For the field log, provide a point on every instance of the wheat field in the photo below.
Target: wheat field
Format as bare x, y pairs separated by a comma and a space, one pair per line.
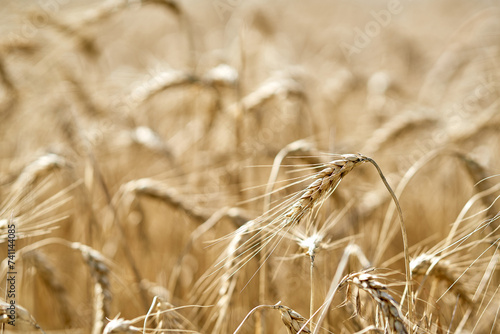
223, 166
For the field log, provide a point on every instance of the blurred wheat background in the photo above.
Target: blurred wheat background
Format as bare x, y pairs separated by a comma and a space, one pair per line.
175, 166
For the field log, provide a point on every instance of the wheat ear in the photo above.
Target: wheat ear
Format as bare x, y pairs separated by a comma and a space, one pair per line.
378, 291
436, 266
102, 287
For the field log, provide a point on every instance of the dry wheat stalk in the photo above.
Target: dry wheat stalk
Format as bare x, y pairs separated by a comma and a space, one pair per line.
436, 266
378, 291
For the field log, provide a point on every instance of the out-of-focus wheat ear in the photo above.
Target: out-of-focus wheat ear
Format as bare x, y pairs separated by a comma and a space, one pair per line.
435, 266
483, 182
21, 315
157, 190
378, 291
221, 80
102, 287
395, 127
275, 87
486, 119
48, 274
161, 82
11, 94
37, 170
221, 76
149, 139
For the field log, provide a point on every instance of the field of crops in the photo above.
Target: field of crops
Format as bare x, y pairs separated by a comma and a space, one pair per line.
224, 166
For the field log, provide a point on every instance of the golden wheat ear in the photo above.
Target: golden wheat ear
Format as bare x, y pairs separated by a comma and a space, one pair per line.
390, 309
